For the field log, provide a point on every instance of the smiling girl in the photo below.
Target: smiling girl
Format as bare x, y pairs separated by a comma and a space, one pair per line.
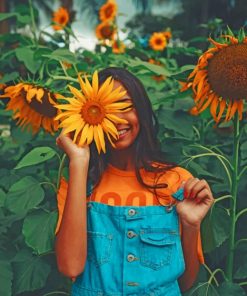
129, 235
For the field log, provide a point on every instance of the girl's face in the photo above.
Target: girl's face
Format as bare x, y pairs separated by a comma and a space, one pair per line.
129, 131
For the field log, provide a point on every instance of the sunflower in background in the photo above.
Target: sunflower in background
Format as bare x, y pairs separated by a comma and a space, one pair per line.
60, 18
219, 80
118, 47
105, 30
157, 78
167, 34
90, 112
108, 11
158, 41
32, 106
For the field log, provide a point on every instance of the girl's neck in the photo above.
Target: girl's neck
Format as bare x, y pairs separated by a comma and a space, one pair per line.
122, 159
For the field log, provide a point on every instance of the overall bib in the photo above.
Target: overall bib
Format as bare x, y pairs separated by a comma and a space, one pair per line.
132, 250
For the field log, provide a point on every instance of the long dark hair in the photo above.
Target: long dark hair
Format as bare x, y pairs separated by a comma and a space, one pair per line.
148, 154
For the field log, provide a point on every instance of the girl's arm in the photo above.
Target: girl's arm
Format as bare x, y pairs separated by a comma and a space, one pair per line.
71, 240
189, 244
192, 210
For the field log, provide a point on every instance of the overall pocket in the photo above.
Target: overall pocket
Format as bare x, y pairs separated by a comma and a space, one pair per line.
157, 245
99, 247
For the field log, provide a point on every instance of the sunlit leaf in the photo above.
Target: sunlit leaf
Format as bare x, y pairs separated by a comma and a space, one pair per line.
36, 156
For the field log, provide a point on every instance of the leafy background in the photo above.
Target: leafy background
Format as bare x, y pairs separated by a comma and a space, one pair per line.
31, 165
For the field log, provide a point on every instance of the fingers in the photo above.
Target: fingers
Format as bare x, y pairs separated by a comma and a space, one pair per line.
198, 189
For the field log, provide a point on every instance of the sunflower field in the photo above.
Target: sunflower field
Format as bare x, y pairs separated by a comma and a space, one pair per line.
198, 89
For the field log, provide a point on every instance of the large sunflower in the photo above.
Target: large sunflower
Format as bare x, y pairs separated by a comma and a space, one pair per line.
60, 18
32, 105
158, 41
105, 30
108, 11
90, 112
219, 80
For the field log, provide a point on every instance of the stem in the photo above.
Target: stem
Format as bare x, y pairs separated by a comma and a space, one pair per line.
242, 172
243, 284
49, 183
233, 201
240, 213
33, 27
220, 158
222, 198
60, 170
240, 241
65, 78
213, 273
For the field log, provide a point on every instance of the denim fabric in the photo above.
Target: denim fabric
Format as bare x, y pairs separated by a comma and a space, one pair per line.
133, 251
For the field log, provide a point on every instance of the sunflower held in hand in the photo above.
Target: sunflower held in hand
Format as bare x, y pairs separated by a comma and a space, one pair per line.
90, 112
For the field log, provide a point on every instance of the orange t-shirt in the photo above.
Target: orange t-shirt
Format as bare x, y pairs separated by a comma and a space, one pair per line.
121, 188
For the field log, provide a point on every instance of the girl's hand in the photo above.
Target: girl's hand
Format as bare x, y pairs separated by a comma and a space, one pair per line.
73, 151
197, 202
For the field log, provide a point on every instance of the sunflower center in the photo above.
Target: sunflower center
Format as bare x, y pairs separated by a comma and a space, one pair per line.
93, 112
107, 31
227, 72
109, 11
45, 107
158, 41
62, 20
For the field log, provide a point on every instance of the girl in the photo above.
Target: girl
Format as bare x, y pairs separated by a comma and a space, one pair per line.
130, 236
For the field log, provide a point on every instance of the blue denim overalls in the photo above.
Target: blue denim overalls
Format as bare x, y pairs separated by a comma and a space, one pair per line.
133, 251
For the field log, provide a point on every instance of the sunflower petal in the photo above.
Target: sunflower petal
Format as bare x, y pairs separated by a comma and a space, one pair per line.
109, 127
40, 94
96, 138
233, 109
84, 135
95, 84
101, 137
116, 119
222, 109
228, 110
213, 107
90, 135
77, 93
30, 94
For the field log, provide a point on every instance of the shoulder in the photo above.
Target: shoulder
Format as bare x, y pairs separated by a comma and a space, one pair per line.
182, 172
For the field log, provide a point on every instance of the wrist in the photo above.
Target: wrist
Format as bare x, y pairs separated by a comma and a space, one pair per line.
78, 161
190, 227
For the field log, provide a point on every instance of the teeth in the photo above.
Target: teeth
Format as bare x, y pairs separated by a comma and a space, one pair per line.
122, 132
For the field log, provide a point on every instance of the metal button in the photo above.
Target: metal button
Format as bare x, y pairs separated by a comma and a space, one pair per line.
131, 212
130, 257
130, 234
132, 284
169, 209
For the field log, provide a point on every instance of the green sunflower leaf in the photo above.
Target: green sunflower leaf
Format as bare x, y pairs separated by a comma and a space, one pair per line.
31, 272
215, 228
24, 195
38, 230
230, 289
6, 276
36, 156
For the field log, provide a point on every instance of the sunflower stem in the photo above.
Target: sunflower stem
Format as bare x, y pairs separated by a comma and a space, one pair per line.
65, 78
33, 26
233, 201
60, 170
